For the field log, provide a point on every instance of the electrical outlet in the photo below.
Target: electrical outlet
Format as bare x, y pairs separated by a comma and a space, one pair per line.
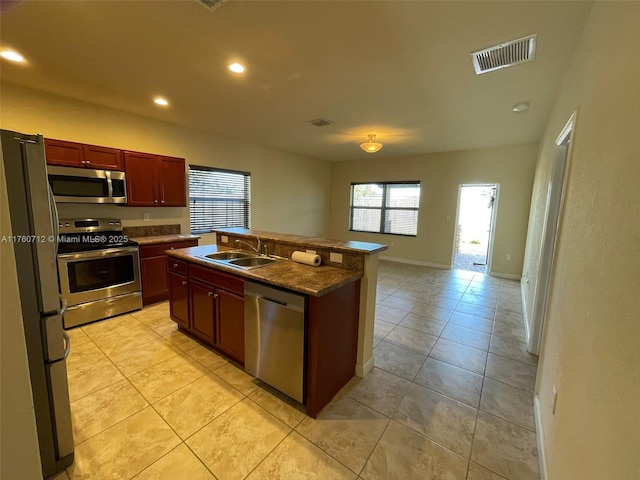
335, 257
145, 217
312, 252
508, 257
554, 399
224, 239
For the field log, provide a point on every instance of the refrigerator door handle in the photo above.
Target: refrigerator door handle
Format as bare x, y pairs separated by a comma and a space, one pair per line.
55, 220
63, 307
67, 344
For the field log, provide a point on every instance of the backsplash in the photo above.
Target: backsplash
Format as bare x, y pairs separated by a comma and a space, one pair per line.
151, 230
350, 261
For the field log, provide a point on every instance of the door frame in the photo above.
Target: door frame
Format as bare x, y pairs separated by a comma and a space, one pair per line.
492, 224
553, 215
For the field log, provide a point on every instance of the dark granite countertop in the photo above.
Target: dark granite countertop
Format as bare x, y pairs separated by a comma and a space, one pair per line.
360, 247
155, 239
291, 275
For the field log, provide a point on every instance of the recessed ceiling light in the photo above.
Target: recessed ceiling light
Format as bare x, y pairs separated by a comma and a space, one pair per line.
12, 56
521, 107
161, 101
236, 68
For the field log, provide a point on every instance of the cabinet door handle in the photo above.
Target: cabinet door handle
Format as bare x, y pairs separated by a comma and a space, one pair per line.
156, 201
209, 293
175, 265
162, 201
184, 282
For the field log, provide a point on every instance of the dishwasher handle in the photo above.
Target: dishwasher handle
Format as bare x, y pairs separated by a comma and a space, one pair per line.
279, 302
286, 299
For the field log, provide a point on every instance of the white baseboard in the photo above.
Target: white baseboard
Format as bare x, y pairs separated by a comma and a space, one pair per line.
415, 262
542, 459
507, 276
362, 370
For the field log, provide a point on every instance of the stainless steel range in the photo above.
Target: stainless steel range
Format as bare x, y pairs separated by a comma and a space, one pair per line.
98, 269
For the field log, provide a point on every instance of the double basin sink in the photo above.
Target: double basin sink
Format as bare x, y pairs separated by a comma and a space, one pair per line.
241, 259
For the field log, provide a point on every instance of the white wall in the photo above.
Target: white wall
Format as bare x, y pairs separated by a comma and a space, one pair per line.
591, 338
441, 174
289, 192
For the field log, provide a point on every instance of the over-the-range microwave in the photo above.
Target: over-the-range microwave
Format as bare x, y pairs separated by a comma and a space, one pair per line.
86, 185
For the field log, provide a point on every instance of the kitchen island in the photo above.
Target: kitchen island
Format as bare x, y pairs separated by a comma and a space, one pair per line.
207, 302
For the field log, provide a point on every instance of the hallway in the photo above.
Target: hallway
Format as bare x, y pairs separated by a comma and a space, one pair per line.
451, 365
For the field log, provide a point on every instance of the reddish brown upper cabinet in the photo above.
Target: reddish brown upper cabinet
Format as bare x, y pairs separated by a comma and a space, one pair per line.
71, 154
154, 180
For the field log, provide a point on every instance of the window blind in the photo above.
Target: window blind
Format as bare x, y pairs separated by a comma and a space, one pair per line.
385, 207
218, 198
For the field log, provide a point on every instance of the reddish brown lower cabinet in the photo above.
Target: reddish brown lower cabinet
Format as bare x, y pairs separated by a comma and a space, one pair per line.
215, 313
179, 299
153, 269
230, 324
202, 300
216, 317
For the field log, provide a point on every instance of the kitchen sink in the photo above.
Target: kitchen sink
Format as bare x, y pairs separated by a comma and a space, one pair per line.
242, 260
253, 262
229, 255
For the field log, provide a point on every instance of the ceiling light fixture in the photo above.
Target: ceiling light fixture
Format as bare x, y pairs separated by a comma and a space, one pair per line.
521, 107
371, 146
12, 56
161, 101
236, 68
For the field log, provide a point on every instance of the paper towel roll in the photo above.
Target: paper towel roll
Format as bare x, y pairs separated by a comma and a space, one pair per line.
306, 258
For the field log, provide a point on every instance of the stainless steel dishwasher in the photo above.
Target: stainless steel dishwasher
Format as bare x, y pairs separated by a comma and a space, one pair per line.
274, 338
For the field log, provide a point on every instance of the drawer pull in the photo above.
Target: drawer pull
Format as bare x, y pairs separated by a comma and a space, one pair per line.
175, 265
184, 282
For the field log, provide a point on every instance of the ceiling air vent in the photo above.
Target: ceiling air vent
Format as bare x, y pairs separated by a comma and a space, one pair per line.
505, 55
211, 4
320, 122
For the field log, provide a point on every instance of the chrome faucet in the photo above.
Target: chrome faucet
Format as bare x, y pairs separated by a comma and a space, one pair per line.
257, 250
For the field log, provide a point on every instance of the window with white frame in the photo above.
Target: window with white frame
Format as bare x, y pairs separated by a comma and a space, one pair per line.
385, 207
218, 198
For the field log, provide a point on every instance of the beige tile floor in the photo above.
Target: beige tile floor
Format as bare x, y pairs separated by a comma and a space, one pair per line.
450, 396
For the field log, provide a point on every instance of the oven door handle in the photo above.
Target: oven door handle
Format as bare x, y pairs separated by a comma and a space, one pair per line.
109, 252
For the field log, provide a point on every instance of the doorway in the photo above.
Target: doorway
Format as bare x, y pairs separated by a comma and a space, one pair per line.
553, 211
475, 222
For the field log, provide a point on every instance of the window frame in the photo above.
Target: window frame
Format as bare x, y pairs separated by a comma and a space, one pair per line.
246, 201
383, 208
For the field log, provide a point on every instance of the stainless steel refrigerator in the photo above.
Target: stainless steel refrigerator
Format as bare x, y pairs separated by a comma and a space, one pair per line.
34, 227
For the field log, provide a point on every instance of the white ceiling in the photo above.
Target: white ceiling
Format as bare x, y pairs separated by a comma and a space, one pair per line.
400, 69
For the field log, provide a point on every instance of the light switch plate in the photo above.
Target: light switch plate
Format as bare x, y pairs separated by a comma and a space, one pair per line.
224, 239
145, 217
335, 257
